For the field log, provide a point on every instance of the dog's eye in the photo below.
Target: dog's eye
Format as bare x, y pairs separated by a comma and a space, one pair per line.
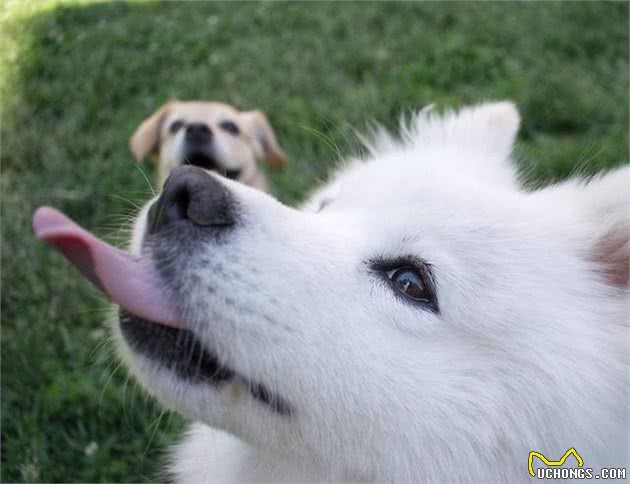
176, 126
232, 174
410, 278
230, 127
410, 282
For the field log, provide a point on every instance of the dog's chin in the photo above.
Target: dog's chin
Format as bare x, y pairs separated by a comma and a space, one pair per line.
179, 352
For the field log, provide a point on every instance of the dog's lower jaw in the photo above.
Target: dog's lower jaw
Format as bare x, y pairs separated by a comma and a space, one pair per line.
180, 353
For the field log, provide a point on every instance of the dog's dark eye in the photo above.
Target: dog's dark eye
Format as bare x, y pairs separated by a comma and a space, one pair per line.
230, 127
409, 282
176, 126
232, 174
411, 279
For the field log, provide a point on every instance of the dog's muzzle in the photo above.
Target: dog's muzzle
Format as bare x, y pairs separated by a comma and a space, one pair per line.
198, 149
193, 205
191, 195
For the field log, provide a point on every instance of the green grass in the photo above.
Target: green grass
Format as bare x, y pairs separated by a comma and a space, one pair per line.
77, 78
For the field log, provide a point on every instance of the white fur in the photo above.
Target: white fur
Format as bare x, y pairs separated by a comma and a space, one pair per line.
529, 351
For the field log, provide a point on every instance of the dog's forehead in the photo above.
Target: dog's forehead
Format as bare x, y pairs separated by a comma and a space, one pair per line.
209, 112
402, 182
401, 197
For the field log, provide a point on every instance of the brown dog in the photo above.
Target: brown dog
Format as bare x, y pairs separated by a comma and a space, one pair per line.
214, 136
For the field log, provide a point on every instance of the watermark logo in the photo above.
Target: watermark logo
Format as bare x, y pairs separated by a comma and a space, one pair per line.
553, 469
553, 463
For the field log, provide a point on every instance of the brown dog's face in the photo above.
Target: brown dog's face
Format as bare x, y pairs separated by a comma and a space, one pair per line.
214, 136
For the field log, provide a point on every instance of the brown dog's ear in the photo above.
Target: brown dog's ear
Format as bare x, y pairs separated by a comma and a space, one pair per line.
146, 139
257, 126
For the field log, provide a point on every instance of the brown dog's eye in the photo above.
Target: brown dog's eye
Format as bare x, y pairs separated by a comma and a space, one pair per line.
230, 127
176, 126
232, 174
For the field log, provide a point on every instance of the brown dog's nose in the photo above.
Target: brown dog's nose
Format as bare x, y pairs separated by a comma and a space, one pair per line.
198, 133
191, 194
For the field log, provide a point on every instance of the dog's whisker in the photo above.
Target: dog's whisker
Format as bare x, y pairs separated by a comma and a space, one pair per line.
119, 234
130, 202
323, 137
102, 346
122, 223
355, 146
107, 383
146, 179
155, 424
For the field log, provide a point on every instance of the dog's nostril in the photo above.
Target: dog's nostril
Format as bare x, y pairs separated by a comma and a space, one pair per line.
191, 194
179, 203
198, 132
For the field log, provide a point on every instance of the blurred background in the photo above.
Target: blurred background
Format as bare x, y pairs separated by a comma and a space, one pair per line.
78, 77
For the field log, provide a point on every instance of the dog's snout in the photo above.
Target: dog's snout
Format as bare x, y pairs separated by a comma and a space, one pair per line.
198, 133
191, 194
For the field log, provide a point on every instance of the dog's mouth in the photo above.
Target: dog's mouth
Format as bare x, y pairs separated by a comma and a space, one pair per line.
207, 161
200, 158
149, 321
179, 351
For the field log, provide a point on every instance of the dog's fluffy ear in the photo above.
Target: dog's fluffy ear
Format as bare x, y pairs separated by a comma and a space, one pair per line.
495, 125
607, 201
146, 139
485, 131
266, 146
488, 128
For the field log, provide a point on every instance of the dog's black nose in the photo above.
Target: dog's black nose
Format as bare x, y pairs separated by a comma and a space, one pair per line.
191, 194
198, 133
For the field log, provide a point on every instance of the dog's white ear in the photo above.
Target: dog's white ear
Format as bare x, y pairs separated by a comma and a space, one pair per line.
146, 138
492, 125
607, 201
486, 129
266, 146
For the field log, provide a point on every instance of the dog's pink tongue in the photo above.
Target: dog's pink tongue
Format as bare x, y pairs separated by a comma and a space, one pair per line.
129, 281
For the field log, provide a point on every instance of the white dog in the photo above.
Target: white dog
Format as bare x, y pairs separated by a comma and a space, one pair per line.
421, 319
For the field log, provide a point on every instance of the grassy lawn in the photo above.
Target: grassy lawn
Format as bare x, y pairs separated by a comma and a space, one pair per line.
78, 77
